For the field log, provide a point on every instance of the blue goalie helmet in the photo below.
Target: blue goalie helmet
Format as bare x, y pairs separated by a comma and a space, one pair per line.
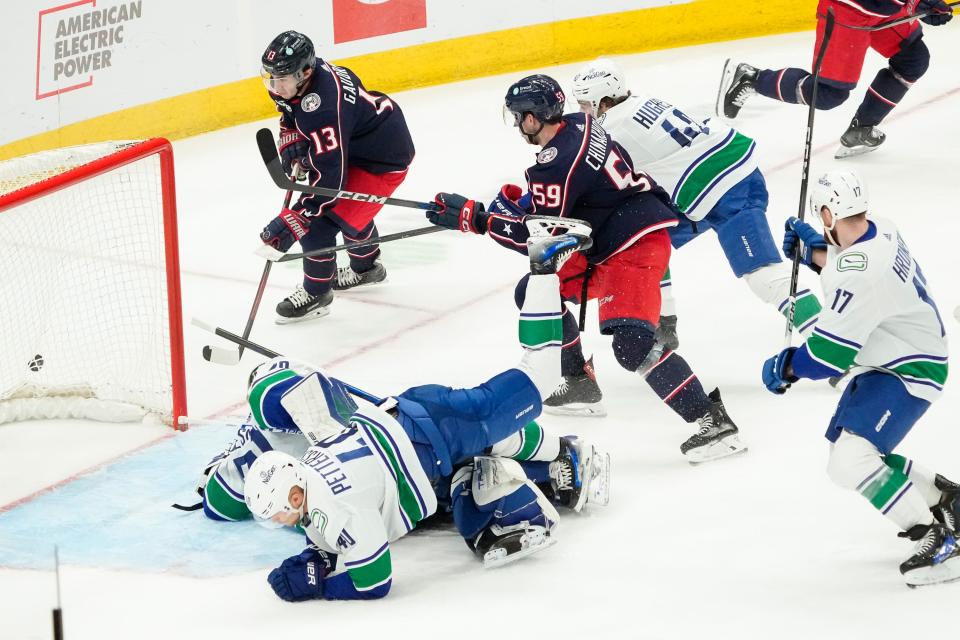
539, 95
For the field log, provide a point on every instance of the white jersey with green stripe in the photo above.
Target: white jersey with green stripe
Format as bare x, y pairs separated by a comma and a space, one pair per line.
365, 489
695, 161
879, 314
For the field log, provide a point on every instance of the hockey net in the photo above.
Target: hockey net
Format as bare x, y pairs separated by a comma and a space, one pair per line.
90, 322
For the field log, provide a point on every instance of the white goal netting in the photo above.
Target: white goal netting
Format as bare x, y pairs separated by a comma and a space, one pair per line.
85, 314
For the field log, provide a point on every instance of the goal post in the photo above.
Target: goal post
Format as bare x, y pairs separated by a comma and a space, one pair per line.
90, 310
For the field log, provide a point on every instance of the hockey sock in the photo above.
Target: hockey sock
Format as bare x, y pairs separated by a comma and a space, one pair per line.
785, 85
362, 259
530, 443
922, 478
806, 310
541, 332
571, 356
318, 273
679, 388
668, 305
883, 94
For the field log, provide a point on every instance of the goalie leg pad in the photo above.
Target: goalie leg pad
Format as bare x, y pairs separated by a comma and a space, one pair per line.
319, 406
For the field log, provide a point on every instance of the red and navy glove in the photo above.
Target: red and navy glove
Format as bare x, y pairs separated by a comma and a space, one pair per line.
511, 201
294, 153
777, 374
942, 14
300, 577
285, 229
458, 212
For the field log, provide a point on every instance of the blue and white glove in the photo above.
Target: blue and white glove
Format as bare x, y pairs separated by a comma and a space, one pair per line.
777, 376
300, 577
798, 233
511, 201
942, 14
459, 213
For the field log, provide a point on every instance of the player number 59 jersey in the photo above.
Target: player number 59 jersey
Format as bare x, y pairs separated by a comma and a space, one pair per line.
878, 313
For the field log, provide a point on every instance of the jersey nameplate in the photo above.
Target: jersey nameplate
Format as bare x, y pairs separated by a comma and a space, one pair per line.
855, 261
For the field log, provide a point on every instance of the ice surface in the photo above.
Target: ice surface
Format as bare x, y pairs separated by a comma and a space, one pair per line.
761, 545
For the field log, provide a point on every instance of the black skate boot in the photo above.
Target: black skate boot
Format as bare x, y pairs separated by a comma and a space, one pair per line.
347, 278
547, 255
948, 511
737, 83
717, 436
859, 139
580, 474
300, 305
667, 333
498, 545
936, 558
577, 395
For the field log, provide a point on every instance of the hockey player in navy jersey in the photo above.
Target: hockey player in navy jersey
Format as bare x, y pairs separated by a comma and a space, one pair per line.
907, 56
884, 328
581, 173
335, 134
374, 472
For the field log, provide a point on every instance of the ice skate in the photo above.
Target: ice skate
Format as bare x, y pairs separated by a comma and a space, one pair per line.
577, 395
347, 278
498, 545
859, 139
581, 474
737, 83
667, 333
717, 437
936, 558
300, 306
547, 255
947, 512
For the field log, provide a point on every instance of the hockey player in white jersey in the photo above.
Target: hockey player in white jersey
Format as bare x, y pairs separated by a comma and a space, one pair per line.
884, 327
374, 472
710, 171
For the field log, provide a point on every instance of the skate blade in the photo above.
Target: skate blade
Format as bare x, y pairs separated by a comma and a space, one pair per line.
580, 409
943, 573
362, 285
723, 448
538, 541
850, 152
726, 79
600, 484
318, 313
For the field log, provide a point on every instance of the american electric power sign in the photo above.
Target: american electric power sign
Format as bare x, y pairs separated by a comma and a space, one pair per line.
76, 41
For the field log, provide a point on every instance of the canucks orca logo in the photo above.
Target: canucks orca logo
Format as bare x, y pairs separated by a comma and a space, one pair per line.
310, 102
266, 475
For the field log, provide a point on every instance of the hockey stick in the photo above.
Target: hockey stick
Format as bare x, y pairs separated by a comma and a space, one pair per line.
893, 23
390, 237
268, 151
805, 175
220, 355
270, 353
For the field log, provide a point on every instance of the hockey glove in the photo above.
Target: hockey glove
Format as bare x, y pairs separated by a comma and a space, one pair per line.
294, 153
800, 236
459, 212
285, 229
942, 14
511, 201
777, 375
300, 577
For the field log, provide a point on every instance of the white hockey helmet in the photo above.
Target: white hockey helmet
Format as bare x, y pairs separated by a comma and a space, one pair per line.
599, 79
268, 483
842, 192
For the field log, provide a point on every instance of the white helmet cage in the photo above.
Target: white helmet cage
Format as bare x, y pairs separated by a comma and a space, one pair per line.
599, 79
267, 486
842, 192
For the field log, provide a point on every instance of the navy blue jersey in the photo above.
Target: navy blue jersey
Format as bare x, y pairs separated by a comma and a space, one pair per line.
347, 126
582, 173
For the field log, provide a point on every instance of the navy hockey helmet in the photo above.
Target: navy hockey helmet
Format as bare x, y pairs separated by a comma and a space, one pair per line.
289, 54
539, 95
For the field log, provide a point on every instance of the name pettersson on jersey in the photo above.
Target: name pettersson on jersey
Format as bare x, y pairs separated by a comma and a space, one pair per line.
75, 40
